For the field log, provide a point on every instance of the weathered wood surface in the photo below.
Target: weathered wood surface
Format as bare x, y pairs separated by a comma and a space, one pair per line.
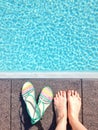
13, 112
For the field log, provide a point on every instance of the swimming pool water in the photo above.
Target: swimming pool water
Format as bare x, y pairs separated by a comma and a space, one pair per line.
48, 35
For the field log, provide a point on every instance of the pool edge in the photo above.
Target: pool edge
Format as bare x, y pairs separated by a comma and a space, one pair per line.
13, 75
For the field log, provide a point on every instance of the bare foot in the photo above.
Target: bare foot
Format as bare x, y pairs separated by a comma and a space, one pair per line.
74, 105
60, 105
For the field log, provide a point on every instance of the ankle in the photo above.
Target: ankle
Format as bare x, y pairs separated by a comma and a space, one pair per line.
61, 118
76, 124
73, 120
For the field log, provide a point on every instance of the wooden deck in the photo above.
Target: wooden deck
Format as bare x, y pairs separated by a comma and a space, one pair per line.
12, 107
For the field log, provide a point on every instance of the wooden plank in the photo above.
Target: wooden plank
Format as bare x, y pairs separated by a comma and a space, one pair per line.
90, 104
55, 84
5, 89
16, 104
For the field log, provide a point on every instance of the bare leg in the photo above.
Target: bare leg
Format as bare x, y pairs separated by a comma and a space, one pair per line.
60, 105
74, 105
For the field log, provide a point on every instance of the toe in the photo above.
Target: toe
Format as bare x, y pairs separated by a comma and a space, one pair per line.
64, 93
76, 93
61, 93
55, 100
58, 93
69, 93
72, 92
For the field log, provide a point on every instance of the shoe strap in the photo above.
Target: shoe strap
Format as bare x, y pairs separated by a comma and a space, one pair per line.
37, 110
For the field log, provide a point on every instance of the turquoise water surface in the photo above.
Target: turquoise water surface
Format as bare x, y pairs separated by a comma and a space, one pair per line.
48, 35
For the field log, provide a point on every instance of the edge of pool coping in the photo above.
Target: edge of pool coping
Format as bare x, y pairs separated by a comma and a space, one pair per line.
24, 75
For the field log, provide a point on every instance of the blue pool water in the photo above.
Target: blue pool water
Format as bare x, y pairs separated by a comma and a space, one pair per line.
48, 35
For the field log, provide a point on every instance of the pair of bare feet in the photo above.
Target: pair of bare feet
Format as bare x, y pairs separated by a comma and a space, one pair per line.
72, 98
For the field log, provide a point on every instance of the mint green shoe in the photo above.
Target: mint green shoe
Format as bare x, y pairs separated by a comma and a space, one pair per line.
28, 94
45, 99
